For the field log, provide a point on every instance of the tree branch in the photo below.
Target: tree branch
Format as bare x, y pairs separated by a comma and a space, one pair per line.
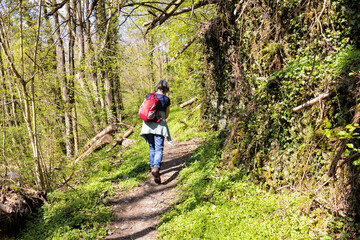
184, 47
57, 7
169, 10
7, 55
193, 7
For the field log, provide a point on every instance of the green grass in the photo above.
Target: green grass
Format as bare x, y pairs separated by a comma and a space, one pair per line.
184, 125
79, 210
216, 203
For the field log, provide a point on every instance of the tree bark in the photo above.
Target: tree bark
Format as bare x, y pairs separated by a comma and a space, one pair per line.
107, 138
120, 139
91, 68
72, 77
81, 72
108, 130
188, 102
311, 102
61, 68
39, 165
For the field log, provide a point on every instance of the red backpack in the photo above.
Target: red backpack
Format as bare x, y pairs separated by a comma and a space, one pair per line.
148, 111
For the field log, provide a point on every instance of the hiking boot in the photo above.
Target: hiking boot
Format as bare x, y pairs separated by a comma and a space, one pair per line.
155, 171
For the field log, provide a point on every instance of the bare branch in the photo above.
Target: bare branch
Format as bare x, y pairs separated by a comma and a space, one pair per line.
169, 10
57, 7
195, 6
184, 47
7, 54
178, 12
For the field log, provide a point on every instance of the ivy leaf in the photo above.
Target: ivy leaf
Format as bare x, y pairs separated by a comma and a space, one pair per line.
328, 125
347, 152
350, 145
350, 127
356, 162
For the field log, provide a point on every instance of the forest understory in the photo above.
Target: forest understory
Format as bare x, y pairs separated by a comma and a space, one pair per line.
274, 89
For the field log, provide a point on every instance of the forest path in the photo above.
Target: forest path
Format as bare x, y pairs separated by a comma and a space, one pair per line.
138, 211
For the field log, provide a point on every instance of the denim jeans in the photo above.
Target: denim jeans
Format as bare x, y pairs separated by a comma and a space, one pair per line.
156, 146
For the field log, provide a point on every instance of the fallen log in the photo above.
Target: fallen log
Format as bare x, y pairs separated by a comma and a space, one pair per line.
108, 130
188, 102
96, 145
119, 140
100, 142
311, 102
124, 125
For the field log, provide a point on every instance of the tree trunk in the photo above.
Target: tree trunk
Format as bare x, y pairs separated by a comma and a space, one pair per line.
108, 130
91, 67
5, 99
39, 165
5, 114
81, 72
118, 99
72, 74
151, 83
63, 79
188, 102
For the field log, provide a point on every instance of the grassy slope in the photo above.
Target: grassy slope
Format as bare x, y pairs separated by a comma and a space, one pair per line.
220, 204
215, 202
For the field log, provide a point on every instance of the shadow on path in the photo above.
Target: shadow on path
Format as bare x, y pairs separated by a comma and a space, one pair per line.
138, 211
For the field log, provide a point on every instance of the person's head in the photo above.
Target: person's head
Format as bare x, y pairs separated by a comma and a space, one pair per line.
163, 86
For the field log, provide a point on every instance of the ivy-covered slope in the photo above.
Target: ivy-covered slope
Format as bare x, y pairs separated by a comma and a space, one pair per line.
263, 59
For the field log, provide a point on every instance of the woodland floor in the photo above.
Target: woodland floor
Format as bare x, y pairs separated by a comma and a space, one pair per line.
138, 211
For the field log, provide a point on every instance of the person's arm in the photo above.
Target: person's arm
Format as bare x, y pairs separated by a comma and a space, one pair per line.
167, 113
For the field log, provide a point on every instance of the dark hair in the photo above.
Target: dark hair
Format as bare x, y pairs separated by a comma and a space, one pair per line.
163, 86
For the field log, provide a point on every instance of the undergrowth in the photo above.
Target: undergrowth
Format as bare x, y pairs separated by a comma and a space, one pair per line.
79, 210
217, 203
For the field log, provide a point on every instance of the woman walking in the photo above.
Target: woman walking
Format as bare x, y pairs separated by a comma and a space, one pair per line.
155, 133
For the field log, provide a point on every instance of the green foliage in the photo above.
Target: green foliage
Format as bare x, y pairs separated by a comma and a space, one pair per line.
184, 125
350, 133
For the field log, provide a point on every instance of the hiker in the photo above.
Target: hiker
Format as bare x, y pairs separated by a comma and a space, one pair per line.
155, 132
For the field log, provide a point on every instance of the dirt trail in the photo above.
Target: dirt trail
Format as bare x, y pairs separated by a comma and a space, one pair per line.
138, 212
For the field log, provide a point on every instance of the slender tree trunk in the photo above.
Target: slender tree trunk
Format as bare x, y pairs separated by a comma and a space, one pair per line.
6, 109
151, 64
91, 68
72, 33
81, 71
39, 166
13, 105
118, 99
64, 88
69, 100
103, 24
5, 114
